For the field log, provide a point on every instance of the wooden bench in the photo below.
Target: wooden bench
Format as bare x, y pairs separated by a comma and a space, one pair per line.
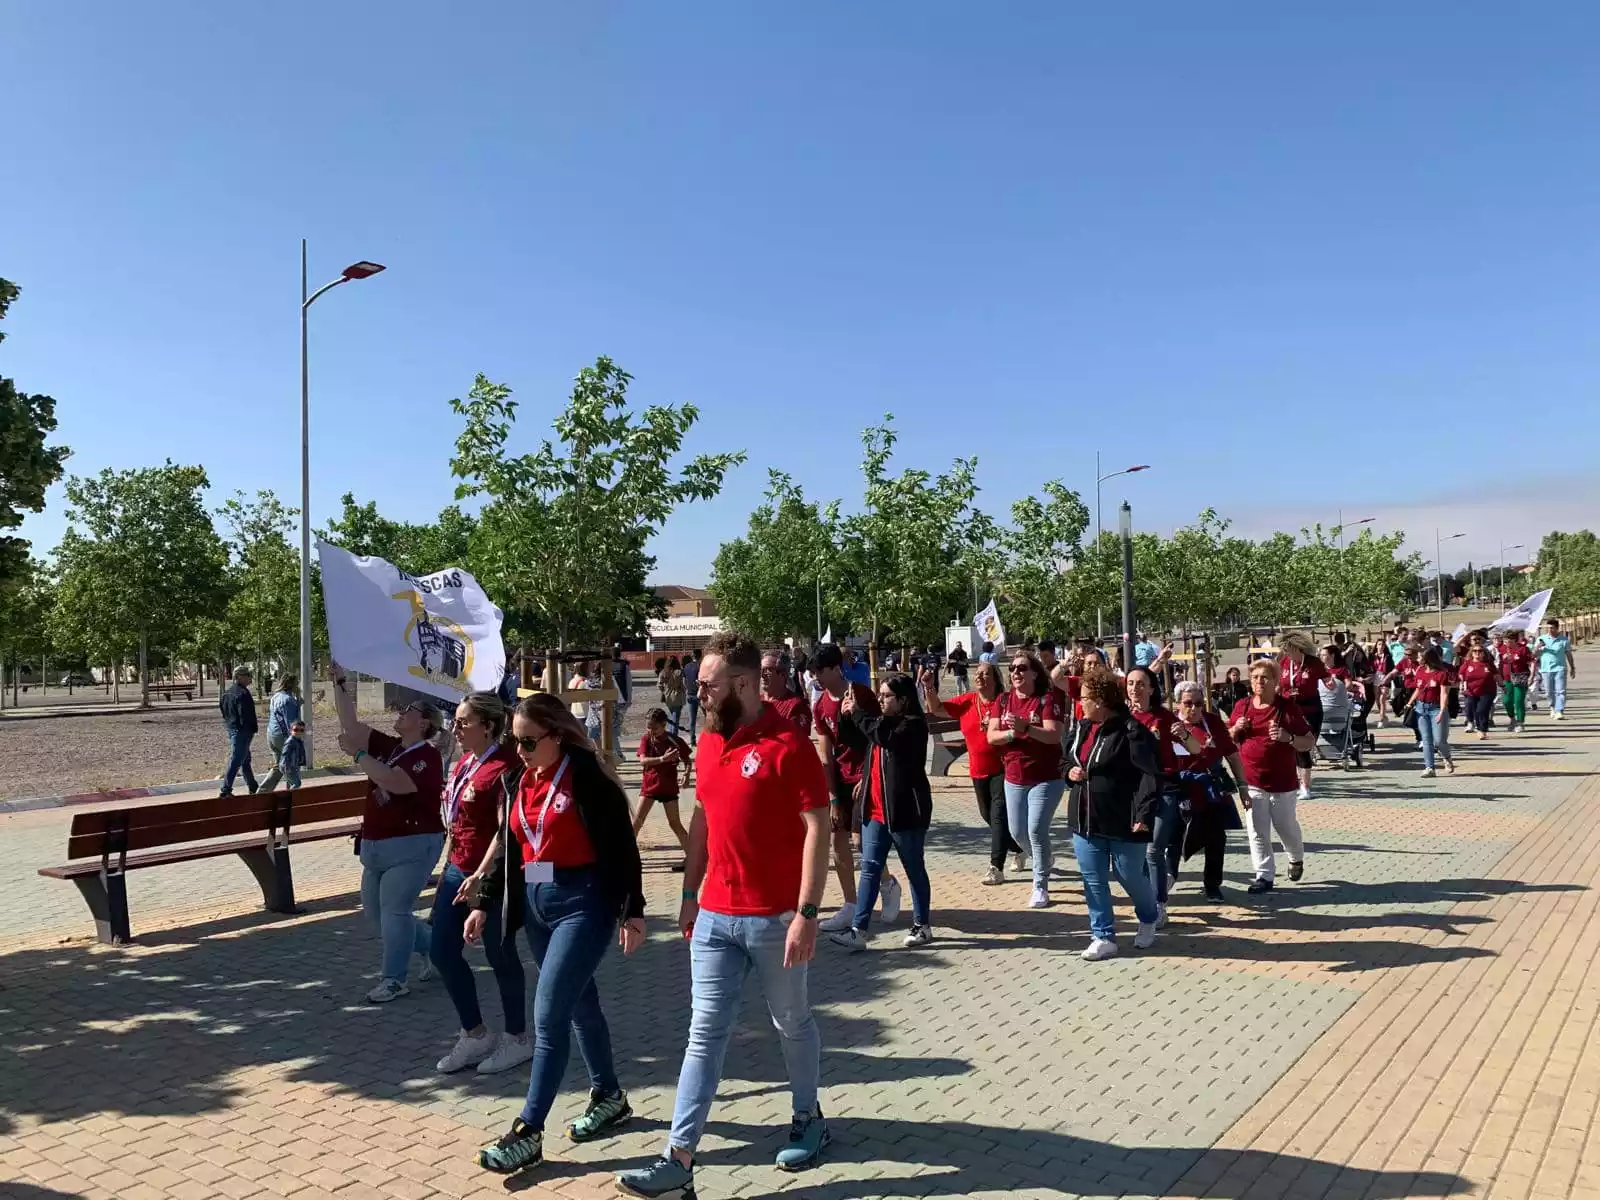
104, 844
945, 750
169, 690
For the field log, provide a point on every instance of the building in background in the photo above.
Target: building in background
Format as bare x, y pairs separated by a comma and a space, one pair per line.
687, 601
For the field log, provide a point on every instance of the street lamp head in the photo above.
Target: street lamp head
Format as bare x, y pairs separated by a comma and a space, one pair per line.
362, 269
1136, 470
1364, 521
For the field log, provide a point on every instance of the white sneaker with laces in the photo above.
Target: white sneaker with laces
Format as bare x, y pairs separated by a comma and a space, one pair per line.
1039, 899
1020, 862
387, 990
1161, 916
891, 898
510, 1051
426, 971
1303, 794
1428, 773
1099, 949
852, 940
841, 919
995, 876
920, 935
468, 1051
1145, 938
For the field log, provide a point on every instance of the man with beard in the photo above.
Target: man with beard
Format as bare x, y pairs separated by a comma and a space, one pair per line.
759, 845
775, 690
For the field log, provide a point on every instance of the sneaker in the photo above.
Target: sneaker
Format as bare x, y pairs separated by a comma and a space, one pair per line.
1303, 794
468, 1051
1020, 862
604, 1112
1449, 766
1428, 773
387, 990
1296, 871
891, 898
1560, 716
1099, 948
426, 971
520, 1147
851, 939
1039, 899
808, 1134
996, 875
666, 1177
1257, 886
842, 918
1161, 917
510, 1051
1145, 938
920, 935
1216, 895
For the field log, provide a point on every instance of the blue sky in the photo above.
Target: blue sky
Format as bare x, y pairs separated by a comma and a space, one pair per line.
1298, 258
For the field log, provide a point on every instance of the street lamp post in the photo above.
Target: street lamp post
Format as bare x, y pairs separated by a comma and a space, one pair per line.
1126, 523
358, 270
1343, 574
1099, 613
1438, 565
1503, 549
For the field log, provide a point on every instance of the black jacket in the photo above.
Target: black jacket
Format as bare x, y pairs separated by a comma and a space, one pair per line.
603, 808
238, 708
1123, 786
902, 763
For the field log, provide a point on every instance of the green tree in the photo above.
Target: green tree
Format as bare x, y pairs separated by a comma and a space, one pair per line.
263, 613
766, 582
24, 622
561, 540
28, 466
140, 562
415, 548
1570, 563
1047, 586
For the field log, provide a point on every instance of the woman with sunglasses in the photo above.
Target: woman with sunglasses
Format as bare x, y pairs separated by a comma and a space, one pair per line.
896, 804
401, 833
1207, 789
1027, 729
567, 874
1171, 734
974, 710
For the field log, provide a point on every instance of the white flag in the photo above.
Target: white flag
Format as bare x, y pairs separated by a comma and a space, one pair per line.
827, 638
1458, 633
438, 634
986, 627
1527, 615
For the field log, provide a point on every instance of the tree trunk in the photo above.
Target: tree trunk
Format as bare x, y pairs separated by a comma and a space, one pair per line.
116, 681
144, 669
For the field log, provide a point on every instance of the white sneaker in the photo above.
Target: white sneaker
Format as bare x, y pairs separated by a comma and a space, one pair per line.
1020, 862
842, 918
1145, 938
852, 940
1039, 899
387, 990
1303, 794
510, 1051
467, 1052
1099, 949
996, 875
1161, 916
1560, 716
920, 935
890, 898
1428, 773
426, 972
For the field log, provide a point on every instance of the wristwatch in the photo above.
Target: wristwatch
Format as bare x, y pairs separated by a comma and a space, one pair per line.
808, 911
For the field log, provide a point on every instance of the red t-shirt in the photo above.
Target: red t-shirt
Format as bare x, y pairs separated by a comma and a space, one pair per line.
1300, 683
875, 787
1086, 744
1268, 765
1478, 678
828, 713
1340, 673
472, 805
1029, 761
796, 709
386, 816
1407, 669
983, 760
562, 840
754, 784
660, 780
1163, 724
1430, 682
1515, 659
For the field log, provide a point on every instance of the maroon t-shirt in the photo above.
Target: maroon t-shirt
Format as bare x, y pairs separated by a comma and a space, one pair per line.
407, 813
1478, 678
660, 781
829, 712
1029, 761
1300, 683
1268, 765
472, 805
796, 709
1163, 723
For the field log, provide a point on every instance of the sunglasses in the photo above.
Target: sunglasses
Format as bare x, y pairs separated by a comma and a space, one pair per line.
530, 744
1021, 669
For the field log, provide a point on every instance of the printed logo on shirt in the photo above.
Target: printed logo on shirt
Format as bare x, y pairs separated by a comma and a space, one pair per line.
418, 767
562, 802
752, 764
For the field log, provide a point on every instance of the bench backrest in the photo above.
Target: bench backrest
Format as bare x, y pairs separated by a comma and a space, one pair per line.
939, 726
203, 818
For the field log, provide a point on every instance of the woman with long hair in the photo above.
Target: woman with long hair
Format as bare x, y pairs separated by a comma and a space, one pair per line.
282, 713
567, 874
974, 711
1271, 731
1166, 840
1231, 690
472, 825
1479, 679
1208, 790
897, 806
1300, 670
674, 695
1027, 729
1430, 703
1115, 775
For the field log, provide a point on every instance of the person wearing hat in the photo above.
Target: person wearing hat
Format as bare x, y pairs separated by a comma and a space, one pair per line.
402, 833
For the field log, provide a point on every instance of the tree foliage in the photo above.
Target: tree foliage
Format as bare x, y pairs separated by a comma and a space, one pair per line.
263, 613
1570, 563
418, 549
28, 464
766, 582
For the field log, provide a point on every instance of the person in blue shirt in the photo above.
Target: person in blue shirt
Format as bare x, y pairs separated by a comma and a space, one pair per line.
1145, 652
987, 654
292, 758
856, 669
1554, 649
282, 713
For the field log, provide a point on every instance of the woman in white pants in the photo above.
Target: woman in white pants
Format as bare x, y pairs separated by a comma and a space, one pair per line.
1269, 730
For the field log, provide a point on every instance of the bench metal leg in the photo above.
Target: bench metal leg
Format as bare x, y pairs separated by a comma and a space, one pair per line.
273, 873
945, 756
108, 905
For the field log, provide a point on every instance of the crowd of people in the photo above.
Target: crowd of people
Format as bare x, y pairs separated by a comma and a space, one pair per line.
802, 771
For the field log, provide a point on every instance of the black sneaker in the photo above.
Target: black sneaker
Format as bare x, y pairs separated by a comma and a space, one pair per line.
1296, 871
1216, 895
520, 1147
1258, 886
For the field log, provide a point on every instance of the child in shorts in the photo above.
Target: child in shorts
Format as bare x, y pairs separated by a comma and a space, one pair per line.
661, 755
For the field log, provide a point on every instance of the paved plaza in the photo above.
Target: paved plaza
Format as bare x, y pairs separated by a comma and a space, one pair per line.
1417, 1018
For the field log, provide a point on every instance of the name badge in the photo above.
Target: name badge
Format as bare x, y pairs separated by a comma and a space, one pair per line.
539, 872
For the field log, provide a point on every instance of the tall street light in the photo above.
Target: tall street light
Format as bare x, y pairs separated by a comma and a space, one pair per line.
1438, 563
1099, 613
357, 270
1503, 549
1126, 524
1343, 574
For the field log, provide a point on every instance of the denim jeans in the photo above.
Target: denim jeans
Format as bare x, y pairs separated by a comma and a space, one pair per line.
694, 718
1096, 857
1555, 687
393, 873
238, 760
1028, 813
569, 927
445, 951
1166, 843
1478, 709
674, 717
722, 953
876, 838
275, 743
962, 686
1433, 726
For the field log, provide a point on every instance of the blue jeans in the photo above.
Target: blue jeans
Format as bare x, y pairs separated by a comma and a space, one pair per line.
1028, 813
694, 717
275, 743
722, 953
1096, 857
238, 760
1433, 726
1166, 843
876, 838
674, 716
569, 927
444, 949
1555, 686
393, 873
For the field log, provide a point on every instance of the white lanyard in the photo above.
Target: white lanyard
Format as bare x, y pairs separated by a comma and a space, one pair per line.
458, 783
535, 835
383, 796
1291, 673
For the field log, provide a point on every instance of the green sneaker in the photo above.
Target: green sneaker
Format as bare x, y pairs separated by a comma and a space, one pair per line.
604, 1112
521, 1147
808, 1134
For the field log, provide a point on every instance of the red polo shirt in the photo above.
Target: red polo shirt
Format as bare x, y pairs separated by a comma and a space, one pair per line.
472, 805
564, 839
754, 784
969, 708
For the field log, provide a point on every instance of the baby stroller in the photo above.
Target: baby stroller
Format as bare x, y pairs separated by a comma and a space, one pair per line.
1344, 722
